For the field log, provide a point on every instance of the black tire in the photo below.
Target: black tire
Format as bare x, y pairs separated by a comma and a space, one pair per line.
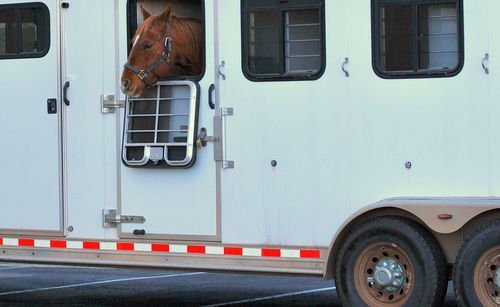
479, 243
430, 278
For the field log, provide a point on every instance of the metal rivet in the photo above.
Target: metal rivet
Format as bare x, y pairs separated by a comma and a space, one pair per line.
70, 228
274, 163
408, 165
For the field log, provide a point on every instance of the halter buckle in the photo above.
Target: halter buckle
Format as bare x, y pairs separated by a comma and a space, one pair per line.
142, 75
168, 45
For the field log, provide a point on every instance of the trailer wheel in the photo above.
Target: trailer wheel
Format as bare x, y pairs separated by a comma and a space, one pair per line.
476, 275
391, 261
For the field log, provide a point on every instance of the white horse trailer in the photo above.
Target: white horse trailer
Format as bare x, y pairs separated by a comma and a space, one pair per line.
355, 140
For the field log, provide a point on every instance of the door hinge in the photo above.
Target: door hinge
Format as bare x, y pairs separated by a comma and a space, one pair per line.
109, 104
227, 111
111, 218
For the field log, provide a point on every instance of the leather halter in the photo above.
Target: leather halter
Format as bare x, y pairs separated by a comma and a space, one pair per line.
143, 73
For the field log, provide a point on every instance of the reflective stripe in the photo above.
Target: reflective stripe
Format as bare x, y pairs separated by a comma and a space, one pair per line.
163, 248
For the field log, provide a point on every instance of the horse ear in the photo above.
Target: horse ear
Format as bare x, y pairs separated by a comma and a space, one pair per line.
145, 13
165, 15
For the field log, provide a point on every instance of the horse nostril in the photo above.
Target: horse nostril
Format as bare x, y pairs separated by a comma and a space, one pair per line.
125, 84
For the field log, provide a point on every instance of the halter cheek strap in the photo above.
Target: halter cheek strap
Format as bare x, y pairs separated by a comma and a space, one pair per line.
143, 73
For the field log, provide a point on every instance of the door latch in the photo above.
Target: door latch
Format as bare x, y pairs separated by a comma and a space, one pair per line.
110, 218
109, 104
203, 138
52, 106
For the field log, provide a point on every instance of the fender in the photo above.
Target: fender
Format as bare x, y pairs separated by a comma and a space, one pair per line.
422, 209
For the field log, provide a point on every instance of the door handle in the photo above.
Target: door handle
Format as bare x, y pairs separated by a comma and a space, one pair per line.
222, 72
65, 93
486, 63
211, 103
344, 67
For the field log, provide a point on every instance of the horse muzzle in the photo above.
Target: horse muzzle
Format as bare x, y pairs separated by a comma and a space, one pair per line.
125, 87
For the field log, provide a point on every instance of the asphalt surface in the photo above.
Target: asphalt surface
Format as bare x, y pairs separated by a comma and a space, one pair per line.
44, 285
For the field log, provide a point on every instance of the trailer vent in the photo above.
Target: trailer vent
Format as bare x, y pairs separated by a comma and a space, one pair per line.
160, 127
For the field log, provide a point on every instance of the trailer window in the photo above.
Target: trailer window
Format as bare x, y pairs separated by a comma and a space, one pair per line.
24, 30
183, 8
283, 40
421, 38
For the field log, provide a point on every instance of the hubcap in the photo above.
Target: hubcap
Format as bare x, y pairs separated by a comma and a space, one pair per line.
389, 275
383, 274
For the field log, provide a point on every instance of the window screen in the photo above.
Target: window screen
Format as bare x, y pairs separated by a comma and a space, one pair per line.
24, 30
417, 38
283, 39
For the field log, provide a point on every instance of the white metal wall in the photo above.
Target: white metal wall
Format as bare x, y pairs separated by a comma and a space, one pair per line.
342, 143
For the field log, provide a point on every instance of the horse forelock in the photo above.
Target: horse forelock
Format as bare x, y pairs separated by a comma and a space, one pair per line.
148, 27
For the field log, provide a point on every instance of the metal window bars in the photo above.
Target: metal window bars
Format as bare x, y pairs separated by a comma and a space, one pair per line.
160, 127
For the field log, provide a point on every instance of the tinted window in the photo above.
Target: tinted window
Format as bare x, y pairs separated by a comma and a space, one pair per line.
283, 39
417, 38
24, 30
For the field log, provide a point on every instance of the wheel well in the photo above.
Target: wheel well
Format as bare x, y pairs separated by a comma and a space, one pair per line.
478, 220
449, 242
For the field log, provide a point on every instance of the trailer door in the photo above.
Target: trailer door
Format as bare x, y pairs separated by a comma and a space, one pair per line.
168, 184
90, 70
29, 117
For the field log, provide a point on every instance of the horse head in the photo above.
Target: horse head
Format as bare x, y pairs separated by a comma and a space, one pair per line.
161, 46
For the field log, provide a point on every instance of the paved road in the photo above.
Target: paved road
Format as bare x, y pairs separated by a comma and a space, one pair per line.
29, 285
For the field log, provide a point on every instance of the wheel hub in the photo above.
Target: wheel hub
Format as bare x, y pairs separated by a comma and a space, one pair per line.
487, 278
384, 275
389, 275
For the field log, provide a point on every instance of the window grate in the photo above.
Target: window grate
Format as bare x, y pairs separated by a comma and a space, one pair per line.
160, 128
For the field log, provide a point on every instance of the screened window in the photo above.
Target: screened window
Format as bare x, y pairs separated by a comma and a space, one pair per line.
24, 30
283, 39
417, 38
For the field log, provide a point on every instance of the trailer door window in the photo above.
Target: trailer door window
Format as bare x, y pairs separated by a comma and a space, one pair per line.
24, 30
417, 38
182, 8
283, 39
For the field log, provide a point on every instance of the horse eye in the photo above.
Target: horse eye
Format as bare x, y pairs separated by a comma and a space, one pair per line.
147, 46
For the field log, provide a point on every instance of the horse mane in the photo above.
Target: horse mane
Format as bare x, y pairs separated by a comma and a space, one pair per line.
189, 29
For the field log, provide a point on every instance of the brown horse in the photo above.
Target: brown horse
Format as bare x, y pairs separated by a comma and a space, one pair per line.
165, 45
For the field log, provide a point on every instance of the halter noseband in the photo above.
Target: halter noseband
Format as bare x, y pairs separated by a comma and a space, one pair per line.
143, 73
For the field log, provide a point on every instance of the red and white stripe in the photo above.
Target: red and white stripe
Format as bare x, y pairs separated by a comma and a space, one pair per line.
164, 248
